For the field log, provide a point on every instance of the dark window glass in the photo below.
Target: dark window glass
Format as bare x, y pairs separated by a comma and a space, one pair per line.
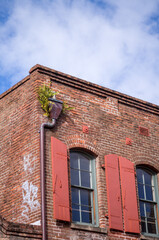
82, 189
139, 176
85, 197
147, 178
142, 211
85, 179
147, 201
148, 190
143, 226
75, 196
74, 160
75, 215
151, 227
86, 217
141, 190
74, 177
84, 163
150, 210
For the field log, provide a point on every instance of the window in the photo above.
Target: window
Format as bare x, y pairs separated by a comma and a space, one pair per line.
147, 189
83, 188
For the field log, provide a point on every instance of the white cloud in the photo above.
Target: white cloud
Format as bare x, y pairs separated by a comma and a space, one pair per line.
110, 44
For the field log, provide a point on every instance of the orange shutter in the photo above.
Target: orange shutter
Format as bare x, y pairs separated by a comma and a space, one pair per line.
60, 180
129, 199
113, 192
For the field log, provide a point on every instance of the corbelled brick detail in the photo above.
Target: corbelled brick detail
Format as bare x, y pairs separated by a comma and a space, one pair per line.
12, 231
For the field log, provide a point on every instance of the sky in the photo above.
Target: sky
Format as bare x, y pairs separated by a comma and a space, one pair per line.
113, 43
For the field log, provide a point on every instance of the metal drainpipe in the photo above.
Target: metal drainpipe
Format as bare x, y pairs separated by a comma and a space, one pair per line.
42, 164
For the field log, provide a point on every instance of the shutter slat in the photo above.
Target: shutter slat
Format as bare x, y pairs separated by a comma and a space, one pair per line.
60, 180
113, 192
129, 199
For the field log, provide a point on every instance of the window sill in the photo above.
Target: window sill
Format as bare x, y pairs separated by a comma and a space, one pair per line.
88, 228
149, 237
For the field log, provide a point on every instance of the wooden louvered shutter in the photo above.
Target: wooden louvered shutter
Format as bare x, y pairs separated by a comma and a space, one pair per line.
129, 199
60, 180
113, 192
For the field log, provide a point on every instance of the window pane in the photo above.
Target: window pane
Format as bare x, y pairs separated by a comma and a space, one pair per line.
141, 191
75, 195
142, 211
143, 226
149, 195
75, 215
150, 210
139, 175
151, 227
84, 163
75, 207
86, 217
147, 177
85, 179
74, 177
74, 160
85, 197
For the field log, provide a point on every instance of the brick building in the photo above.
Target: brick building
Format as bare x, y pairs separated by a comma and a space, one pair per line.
93, 172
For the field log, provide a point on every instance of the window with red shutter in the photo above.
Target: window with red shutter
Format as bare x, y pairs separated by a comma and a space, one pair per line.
60, 180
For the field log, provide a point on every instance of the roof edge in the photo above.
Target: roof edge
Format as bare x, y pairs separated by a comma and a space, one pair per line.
14, 87
95, 89
86, 86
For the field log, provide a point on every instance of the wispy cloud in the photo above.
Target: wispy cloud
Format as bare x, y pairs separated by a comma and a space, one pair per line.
112, 43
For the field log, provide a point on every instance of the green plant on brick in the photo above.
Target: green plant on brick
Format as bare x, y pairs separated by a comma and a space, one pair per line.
44, 93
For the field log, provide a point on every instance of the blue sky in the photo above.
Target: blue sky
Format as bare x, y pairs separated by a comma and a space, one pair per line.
113, 43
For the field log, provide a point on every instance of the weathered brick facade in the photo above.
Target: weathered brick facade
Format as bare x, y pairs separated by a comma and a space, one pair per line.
113, 122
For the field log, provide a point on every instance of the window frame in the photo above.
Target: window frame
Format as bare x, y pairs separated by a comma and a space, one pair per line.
155, 201
92, 188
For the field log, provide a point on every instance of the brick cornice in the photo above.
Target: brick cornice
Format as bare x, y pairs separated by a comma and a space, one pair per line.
20, 230
95, 89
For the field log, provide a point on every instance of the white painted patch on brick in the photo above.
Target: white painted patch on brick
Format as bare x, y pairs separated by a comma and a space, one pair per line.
29, 163
30, 202
37, 223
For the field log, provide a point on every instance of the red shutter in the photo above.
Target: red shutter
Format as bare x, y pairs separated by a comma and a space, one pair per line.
129, 199
60, 180
113, 192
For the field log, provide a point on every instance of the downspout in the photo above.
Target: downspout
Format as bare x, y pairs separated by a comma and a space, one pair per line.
42, 174
54, 114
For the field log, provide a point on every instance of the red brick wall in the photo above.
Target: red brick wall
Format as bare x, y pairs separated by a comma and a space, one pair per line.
109, 120
19, 154
109, 124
